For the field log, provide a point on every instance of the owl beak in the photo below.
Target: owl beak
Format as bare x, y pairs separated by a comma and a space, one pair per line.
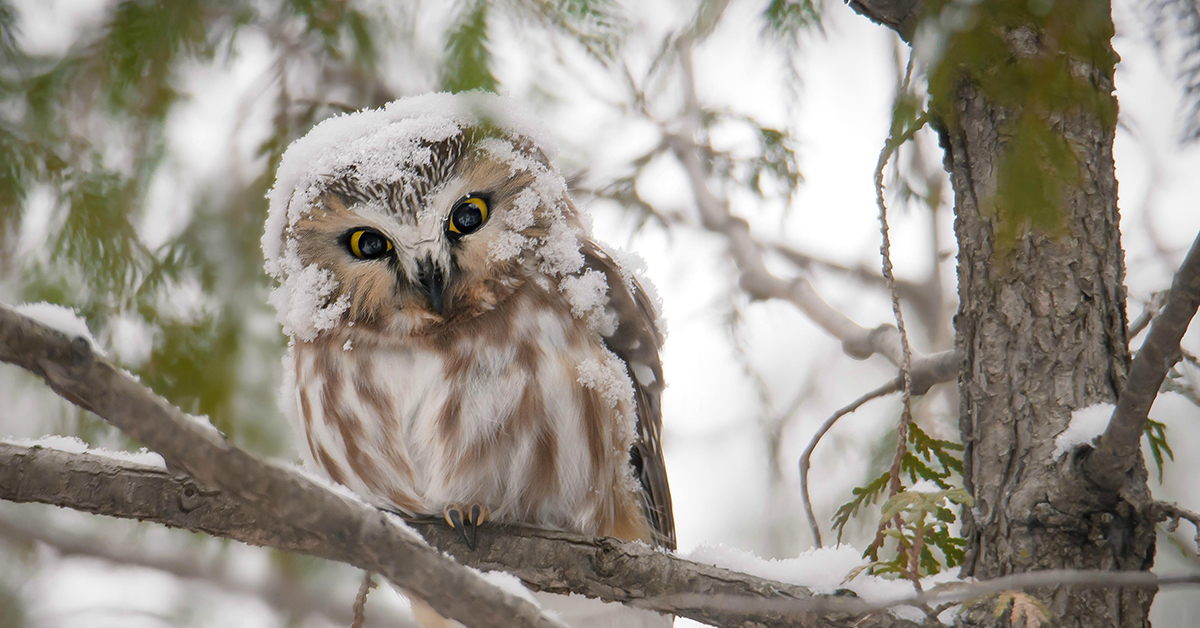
432, 280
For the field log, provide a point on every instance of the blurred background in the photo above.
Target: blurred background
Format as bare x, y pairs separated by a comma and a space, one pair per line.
138, 139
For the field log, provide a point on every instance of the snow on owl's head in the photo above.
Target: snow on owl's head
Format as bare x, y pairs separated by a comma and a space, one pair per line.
421, 214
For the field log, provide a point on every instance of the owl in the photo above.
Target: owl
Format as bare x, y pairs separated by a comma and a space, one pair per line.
460, 344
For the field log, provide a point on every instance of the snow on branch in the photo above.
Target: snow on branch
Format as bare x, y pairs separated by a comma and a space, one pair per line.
545, 560
1118, 447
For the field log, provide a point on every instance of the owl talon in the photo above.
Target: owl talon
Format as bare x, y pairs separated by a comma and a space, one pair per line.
475, 515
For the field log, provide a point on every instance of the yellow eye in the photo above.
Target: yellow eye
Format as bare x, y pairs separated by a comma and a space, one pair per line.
366, 244
467, 216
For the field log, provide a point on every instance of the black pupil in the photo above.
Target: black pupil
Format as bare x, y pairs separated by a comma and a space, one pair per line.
467, 217
371, 244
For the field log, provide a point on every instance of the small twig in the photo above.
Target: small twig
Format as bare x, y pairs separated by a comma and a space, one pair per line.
1153, 307
1172, 513
806, 457
360, 600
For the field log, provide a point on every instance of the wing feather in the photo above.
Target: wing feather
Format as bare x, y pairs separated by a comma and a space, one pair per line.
637, 341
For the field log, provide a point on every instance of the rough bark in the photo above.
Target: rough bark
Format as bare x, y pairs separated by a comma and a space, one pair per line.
1042, 330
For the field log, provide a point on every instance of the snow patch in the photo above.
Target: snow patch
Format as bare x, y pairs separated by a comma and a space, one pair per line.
59, 317
74, 445
510, 584
303, 299
587, 295
560, 251
822, 570
607, 377
1086, 424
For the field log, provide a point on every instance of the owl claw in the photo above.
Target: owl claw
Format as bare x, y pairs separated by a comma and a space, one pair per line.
475, 515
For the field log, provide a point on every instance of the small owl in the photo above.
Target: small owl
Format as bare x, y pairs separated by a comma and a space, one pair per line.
461, 346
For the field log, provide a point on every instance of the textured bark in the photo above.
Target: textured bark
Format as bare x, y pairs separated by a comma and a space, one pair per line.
1042, 331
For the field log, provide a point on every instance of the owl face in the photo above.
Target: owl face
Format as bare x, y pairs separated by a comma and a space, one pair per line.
427, 220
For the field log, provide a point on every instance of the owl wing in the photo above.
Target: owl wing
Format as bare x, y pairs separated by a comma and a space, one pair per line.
637, 341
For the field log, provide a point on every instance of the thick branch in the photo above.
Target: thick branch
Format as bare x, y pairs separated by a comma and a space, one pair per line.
545, 560
331, 525
1117, 449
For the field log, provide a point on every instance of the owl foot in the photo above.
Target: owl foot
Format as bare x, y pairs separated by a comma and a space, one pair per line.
475, 515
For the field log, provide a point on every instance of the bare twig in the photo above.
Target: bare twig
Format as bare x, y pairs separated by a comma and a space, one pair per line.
1152, 308
806, 457
1120, 444
360, 601
335, 526
1172, 513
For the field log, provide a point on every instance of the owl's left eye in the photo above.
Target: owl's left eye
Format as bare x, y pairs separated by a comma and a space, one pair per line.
368, 244
468, 216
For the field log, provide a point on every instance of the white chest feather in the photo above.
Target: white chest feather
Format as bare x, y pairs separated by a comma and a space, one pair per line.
524, 423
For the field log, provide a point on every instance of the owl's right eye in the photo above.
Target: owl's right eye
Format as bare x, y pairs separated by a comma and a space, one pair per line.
368, 244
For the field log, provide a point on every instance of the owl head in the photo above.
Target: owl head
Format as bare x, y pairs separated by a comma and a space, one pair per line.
399, 220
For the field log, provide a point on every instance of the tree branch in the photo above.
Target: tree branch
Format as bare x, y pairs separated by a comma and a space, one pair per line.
759, 283
805, 458
330, 525
546, 560
1118, 447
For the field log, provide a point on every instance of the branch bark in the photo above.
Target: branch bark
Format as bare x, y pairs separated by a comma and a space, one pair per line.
271, 505
1118, 448
546, 560
330, 525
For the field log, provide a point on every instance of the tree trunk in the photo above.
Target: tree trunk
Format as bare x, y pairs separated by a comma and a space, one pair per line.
1041, 327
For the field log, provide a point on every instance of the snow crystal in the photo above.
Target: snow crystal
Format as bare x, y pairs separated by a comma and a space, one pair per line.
608, 377
348, 346
74, 445
507, 245
303, 301
633, 272
58, 317
588, 295
1086, 424
560, 251
519, 216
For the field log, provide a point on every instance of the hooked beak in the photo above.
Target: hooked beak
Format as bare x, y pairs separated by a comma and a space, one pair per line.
432, 280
